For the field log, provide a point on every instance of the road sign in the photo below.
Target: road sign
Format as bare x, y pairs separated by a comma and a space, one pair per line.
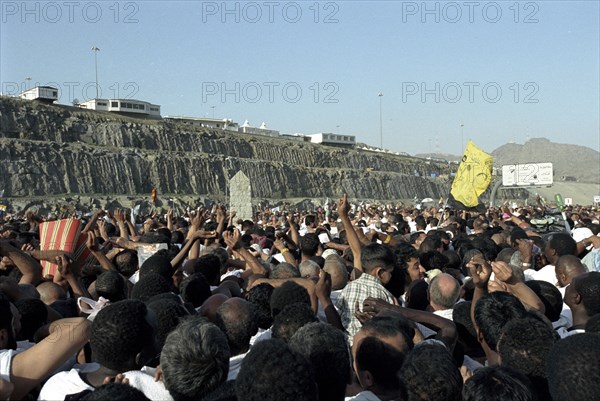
528, 174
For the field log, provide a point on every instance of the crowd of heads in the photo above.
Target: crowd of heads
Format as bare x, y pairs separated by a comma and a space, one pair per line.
475, 305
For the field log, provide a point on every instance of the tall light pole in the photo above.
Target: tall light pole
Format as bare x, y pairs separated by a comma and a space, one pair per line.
27, 80
380, 120
96, 50
213, 111
462, 142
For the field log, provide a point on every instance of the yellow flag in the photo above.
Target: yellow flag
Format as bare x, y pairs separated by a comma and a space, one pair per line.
473, 176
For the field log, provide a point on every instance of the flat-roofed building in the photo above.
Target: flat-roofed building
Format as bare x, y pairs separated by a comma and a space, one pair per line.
42, 93
131, 107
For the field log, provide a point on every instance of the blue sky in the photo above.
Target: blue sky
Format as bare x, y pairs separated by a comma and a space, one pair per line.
508, 71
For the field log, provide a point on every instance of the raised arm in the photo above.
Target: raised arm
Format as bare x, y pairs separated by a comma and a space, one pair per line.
28, 266
70, 272
30, 367
121, 217
353, 241
446, 329
183, 253
503, 272
92, 245
232, 239
480, 271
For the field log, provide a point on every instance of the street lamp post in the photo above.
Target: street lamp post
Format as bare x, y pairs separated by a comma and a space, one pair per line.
213, 111
380, 120
96, 50
27, 80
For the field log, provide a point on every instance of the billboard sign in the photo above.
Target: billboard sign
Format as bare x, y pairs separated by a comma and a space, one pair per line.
527, 174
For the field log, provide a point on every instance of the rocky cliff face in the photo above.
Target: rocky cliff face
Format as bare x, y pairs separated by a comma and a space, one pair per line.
52, 150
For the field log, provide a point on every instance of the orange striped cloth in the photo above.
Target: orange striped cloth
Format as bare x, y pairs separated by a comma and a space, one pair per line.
64, 235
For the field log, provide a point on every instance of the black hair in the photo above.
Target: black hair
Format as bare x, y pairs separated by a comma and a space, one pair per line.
327, 350
115, 392
238, 322
417, 295
430, 374
177, 237
593, 324
111, 229
119, 332
157, 264
165, 232
126, 262
575, 359
288, 293
467, 336
517, 234
453, 260
272, 371
404, 252
377, 255
152, 237
150, 285
433, 260
498, 383
290, 319
260, 296
195, 289
430, 244
397, 282
487, 247
111, 286
169, 314
383, 362
225, 392
420, 222
194, 360
524, 345
550, 297
34, 315
391, 325
210, 266
493, 311
563, 244
588, 287
310, 244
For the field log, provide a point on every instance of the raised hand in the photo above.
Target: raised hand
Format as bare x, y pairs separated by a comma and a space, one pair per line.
503, 272
323, 286
232, 239
479, 270
92, 242
66, 267
342, 205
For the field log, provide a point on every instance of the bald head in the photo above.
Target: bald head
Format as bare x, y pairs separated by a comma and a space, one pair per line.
309, 268
50, 292
209, 307
567, 268
335, 266
443, 292
237, 318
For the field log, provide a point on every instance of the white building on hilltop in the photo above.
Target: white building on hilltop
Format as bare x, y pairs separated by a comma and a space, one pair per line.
333, 139
262, 130
43, 93
225, 123
131, 107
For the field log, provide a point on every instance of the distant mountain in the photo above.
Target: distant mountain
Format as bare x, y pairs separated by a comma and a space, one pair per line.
577, 161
